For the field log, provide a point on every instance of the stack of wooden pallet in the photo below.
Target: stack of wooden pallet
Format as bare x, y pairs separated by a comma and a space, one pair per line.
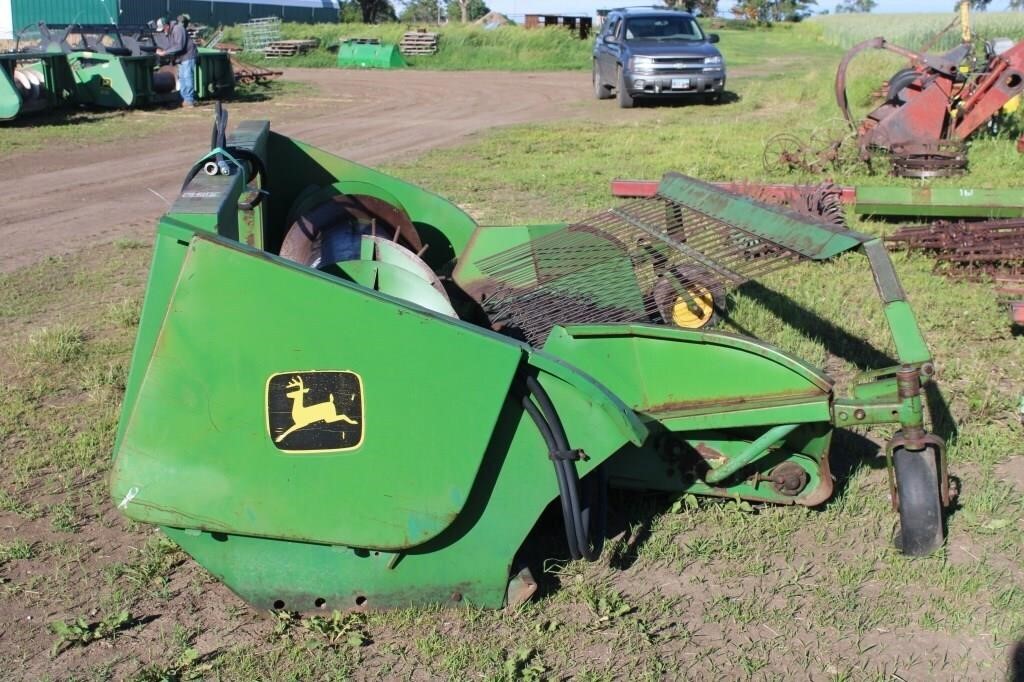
289, 48
418, 42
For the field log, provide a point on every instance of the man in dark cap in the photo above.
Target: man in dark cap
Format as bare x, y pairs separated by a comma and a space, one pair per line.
182, 51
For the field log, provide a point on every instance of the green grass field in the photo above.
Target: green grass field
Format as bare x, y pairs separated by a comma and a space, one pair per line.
460, 47
694, 589
914, 30
513, 48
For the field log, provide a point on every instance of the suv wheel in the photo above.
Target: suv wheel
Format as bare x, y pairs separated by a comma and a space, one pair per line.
600, 89
713, 98
625, 99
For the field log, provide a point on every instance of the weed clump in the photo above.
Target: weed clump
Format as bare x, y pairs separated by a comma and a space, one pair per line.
338, 629
64, 517
81, 632
125, 313
19, 549
57, 345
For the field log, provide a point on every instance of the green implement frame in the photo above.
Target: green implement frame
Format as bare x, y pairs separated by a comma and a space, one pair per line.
316, 439
950, 202
115, 81
939, 202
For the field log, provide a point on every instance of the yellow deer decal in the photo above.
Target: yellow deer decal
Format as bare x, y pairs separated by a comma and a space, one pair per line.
304, 415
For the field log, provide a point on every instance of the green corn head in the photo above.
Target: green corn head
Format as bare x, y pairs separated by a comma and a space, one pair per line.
319, 411
47, 80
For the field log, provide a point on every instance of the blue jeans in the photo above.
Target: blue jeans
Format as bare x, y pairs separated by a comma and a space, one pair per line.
187, 80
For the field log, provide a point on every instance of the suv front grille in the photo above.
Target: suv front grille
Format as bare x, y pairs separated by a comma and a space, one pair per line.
663, 64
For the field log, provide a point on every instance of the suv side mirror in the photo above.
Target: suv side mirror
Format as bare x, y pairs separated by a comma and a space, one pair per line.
713, 38
610, 38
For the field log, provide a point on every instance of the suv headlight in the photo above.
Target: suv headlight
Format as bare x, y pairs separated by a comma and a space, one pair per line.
641, 63
713, 64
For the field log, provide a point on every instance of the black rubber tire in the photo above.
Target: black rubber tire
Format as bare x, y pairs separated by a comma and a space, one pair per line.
621, 93
917, 483
713, 98
601, 91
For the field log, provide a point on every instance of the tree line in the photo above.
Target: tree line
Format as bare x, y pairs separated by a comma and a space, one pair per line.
379, 11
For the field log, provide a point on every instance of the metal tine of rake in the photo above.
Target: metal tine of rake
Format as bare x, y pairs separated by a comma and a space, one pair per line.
719, 244
570, 276
714, 245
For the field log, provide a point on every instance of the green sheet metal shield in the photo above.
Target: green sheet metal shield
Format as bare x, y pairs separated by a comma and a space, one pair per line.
196, 444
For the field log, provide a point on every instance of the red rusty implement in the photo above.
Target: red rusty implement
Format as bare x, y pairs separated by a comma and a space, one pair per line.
937, 99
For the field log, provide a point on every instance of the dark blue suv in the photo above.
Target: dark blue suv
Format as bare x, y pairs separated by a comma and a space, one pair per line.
655, 53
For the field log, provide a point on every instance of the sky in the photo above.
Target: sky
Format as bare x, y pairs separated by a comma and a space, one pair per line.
588, 7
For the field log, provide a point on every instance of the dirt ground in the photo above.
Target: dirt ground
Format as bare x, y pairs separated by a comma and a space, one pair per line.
62, 198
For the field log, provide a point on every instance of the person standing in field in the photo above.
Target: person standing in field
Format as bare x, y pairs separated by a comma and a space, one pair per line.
182, 52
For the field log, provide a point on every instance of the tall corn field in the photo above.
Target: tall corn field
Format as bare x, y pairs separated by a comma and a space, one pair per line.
914, 31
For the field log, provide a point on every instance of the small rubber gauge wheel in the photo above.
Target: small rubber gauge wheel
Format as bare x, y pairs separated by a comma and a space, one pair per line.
917, 484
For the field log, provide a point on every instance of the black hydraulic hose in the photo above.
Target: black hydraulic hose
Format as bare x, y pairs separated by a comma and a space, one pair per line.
565, 467
580, 525
565, 499
598, 502
255, 165
548, 408
545, 433
220, 127
218, 140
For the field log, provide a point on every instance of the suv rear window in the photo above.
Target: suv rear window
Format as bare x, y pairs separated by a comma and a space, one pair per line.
663, 28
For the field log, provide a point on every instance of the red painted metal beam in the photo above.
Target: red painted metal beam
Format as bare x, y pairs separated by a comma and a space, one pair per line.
634, 189
1002, 83
761, 190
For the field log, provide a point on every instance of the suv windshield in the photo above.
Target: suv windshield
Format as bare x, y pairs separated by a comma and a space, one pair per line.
662, 28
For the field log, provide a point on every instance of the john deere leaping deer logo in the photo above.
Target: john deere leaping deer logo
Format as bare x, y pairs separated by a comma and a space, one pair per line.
304, 415
315, 411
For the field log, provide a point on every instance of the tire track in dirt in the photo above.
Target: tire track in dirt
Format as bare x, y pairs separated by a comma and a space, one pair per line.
61, 200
